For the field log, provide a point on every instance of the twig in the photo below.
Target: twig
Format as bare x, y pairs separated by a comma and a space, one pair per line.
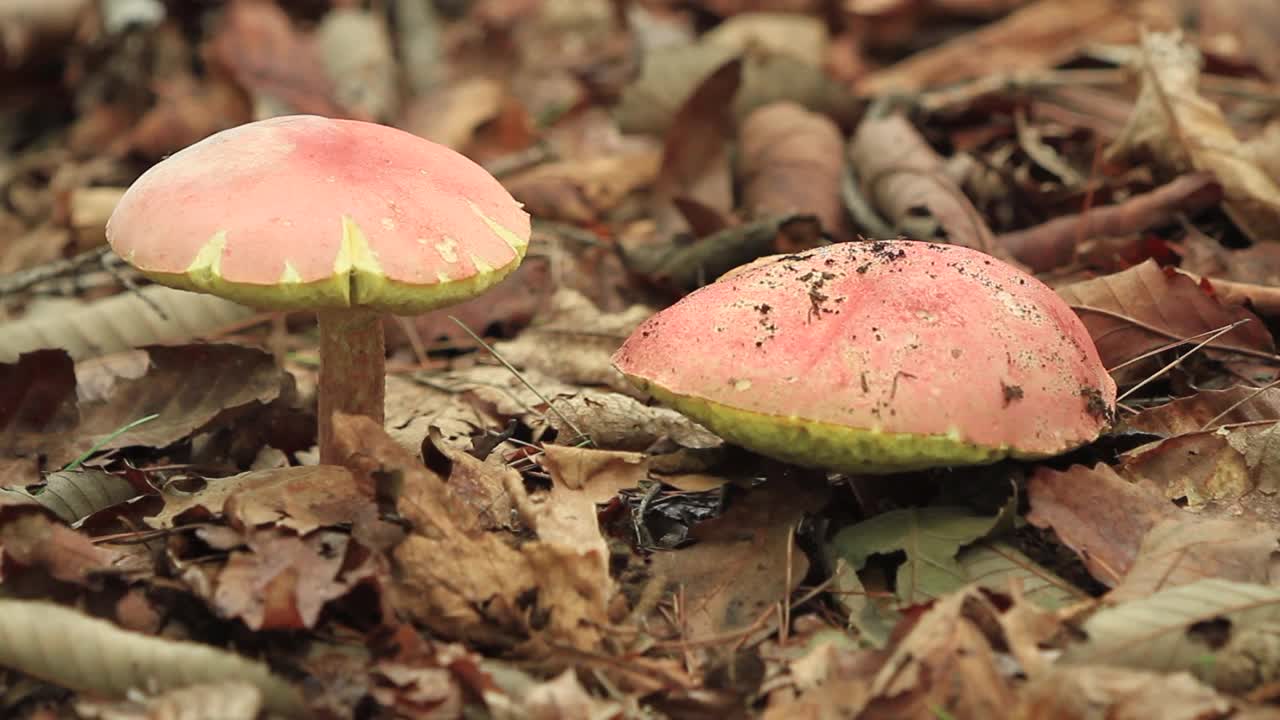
520, 376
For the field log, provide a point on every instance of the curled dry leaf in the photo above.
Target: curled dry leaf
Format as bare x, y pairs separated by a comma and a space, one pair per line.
66, 648
232, 700
898, 171
791, 162
1133, 312
121, 322
1182, 130
619, 422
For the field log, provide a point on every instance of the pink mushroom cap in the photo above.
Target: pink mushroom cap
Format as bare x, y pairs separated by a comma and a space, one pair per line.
310, 212
878, 357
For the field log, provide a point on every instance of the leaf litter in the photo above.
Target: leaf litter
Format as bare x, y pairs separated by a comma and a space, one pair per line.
528, 535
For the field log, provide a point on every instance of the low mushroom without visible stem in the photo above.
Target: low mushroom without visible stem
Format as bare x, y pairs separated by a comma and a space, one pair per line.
347, 218
878, 357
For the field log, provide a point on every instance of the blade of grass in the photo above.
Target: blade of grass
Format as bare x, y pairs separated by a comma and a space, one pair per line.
115, 434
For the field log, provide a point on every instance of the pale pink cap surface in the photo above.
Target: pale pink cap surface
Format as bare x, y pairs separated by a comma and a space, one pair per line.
305, 211
890, 337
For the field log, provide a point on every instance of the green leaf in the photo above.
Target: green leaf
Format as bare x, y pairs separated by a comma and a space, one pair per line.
930, 537
1160, 632
994, 564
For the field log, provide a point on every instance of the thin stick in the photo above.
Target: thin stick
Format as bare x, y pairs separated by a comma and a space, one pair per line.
1175, 362
519, 376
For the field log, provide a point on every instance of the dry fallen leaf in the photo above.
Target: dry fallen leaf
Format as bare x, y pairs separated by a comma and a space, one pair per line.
1131, 313
1096, 513
1183, 130
791, 162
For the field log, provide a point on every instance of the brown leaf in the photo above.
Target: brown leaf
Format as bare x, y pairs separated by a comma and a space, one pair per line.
1089, 693
1226, 473
741, 562
681, 267
573, 341
1038, 36
279, 66
695, 155
791, 162
905, 179
1179, 551
302, 499
31, 537
944, 663
468, 583
1182, 130
187, 111
1192, 414
1146, 307
483, 487
582, 190
190, 388
1096, 513
285, 581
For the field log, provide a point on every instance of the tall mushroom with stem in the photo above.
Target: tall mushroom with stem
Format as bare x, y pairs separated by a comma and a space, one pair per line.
878, 357
351, 219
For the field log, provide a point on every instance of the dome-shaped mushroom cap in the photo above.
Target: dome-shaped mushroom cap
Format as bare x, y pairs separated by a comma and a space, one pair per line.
878, 357
311, 212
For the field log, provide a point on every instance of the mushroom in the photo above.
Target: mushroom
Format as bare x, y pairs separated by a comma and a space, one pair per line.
878, 357
348, 218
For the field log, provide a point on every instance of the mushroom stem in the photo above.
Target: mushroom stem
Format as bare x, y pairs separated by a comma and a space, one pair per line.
352, 364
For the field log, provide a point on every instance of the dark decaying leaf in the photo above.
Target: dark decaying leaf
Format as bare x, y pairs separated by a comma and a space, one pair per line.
1146, 307
741, 562
190, 388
